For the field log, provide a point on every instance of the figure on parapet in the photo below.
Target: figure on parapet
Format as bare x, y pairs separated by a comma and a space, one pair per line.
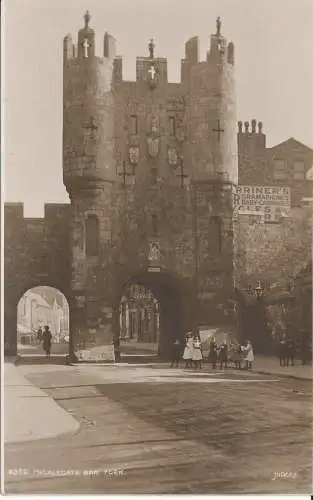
151, 48
218, 26
87, 18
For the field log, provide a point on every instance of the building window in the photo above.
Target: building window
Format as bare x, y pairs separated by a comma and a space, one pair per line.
279, 170
299, 171
154, 223
133, 125
215, 236
172, 126
92, 236
154, 176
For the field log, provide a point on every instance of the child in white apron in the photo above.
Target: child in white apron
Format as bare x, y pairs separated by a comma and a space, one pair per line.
197, 353
188, 351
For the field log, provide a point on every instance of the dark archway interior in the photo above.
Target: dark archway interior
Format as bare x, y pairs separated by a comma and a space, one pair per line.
167, 292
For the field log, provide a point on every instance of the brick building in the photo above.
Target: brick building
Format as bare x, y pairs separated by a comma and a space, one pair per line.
285, 164
151, 169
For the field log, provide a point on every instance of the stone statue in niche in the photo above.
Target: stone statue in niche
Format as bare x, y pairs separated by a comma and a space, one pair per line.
180, 131
154, 125
154, 252
153, 140
172, 156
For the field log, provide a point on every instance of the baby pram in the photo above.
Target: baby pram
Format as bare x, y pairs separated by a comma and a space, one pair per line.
236, 355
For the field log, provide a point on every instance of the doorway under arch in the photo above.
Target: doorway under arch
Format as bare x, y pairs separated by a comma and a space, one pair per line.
39, 307
153, 317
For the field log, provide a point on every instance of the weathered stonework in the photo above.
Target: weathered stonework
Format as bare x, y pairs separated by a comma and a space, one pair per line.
147, 163
155, 162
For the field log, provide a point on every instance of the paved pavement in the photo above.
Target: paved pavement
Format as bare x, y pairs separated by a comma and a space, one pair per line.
262, 364
29, 412
162, 430
268, 364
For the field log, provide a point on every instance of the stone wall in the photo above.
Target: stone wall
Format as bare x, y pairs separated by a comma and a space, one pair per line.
36, 252
272, 253
136, 157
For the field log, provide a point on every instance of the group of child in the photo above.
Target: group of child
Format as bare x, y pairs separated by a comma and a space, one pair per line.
222, 354
192, 352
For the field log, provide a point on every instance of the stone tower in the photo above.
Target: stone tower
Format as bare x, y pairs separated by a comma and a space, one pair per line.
88, 173
150, 168
211, 154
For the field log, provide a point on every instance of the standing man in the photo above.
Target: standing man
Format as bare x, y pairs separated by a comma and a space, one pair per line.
117, 349
291, 351
47, 339
304, 349
282, 351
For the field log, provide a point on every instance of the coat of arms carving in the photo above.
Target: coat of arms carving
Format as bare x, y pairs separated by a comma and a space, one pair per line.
133, 154
172, 156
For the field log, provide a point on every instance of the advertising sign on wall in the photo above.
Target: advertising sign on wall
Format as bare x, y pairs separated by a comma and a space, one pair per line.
272, 203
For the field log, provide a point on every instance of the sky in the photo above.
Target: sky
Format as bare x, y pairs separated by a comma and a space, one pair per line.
274, 71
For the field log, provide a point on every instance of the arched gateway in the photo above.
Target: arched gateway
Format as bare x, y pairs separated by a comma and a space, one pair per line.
173, 302
150, 167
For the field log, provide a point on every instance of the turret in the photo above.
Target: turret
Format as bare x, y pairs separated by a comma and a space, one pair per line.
151, 68
212, 105
88, 110
191, 57
86, 40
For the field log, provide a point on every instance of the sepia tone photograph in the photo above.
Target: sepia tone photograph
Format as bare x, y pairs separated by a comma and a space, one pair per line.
157, 247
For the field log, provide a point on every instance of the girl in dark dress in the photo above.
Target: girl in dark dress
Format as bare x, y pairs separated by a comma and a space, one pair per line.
213, 353
223, 355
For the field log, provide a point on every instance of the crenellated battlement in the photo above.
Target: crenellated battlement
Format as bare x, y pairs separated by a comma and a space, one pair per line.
85, 49
149, 67
52, 212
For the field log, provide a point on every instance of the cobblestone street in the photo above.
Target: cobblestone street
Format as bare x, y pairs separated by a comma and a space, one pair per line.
156, 430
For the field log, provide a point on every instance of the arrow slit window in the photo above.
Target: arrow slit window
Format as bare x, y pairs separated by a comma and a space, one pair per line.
215, 236
133, 125
92, 236
154, 176
154, 220
172, 125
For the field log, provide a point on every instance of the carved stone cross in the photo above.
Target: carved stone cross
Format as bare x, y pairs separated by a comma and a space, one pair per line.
182, 175
152, 72
91, 126
124, 173
218, 130
86, 46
